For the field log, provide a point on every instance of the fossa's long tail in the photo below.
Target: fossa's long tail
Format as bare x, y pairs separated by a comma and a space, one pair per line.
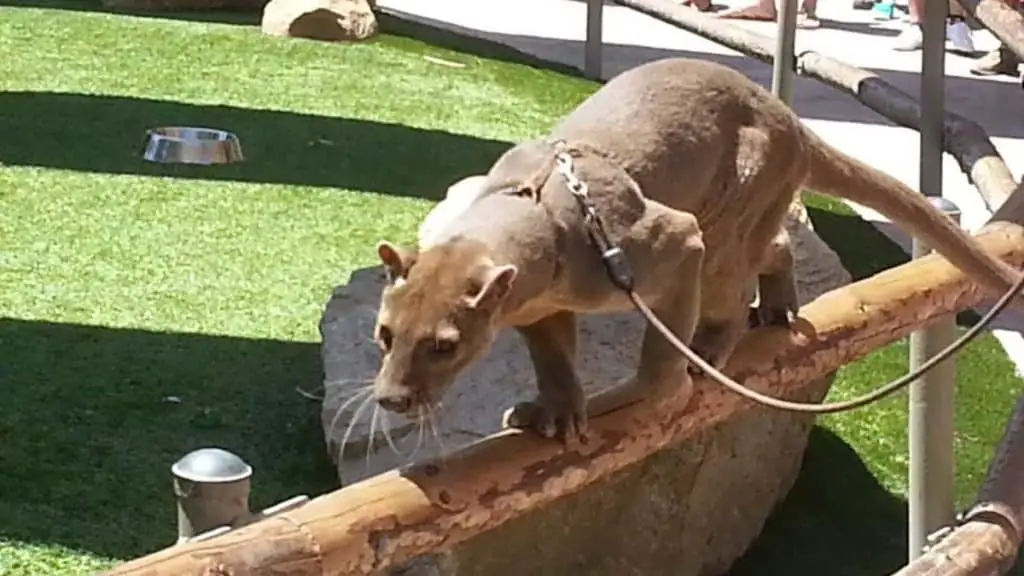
836, 174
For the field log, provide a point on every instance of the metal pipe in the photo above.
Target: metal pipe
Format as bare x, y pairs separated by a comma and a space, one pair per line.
784, 66
211, 488
931, 398
592, 50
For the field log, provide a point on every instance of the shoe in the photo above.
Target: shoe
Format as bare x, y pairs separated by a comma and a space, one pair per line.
958, 33
999, 61
912, 38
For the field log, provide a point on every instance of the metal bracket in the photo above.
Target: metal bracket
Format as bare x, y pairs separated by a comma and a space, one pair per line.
283, 506
935, 538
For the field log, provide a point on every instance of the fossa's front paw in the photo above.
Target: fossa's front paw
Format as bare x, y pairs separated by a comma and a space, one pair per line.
563, 418
714, 342
710, 346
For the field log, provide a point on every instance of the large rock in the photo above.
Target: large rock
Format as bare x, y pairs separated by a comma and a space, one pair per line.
689, 510
331, 20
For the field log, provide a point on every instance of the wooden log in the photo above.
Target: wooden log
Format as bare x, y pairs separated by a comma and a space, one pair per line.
393, 517
964, 139
979, 548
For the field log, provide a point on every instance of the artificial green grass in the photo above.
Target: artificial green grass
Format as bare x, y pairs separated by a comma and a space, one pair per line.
148, 310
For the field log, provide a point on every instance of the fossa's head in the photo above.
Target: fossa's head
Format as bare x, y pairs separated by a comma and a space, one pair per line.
438, 313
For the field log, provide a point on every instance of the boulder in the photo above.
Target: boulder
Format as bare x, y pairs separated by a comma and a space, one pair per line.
331, 20
689, 510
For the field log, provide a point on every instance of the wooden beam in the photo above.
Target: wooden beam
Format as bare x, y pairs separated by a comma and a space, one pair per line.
964, 139
393, 517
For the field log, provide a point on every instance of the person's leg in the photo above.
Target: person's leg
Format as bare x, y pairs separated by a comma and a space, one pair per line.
911, 38
810, 16
915, 9
765, 10
1001, 60
957, 31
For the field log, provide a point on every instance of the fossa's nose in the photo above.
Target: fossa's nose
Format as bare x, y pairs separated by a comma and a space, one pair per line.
395, 402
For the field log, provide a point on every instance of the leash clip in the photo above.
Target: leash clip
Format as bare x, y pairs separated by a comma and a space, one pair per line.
619, 271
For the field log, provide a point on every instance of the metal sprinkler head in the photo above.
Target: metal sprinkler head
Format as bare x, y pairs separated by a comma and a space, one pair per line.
212, 488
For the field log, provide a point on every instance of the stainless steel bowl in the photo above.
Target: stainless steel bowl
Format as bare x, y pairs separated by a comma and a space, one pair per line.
190, 145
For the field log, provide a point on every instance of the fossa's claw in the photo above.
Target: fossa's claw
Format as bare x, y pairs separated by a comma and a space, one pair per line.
564, 421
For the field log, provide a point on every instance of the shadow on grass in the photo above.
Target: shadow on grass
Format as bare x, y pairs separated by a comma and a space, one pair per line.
863, 250
837, 520
105, 134
237, 17
87, 433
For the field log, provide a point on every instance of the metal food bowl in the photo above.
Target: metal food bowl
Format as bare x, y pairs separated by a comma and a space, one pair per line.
190, 145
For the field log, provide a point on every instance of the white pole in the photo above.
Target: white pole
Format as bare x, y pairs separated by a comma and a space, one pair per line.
784, 66
592, 50
931, 398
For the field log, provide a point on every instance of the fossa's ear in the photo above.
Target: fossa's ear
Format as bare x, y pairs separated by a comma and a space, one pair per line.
397, 261
497, 283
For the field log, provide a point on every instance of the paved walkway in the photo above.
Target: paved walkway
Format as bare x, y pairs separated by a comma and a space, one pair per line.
555, 30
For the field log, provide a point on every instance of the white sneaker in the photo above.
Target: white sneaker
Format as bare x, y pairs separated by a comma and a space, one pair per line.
958, 33
912, 38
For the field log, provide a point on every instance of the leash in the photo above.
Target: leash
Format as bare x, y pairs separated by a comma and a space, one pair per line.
621, 275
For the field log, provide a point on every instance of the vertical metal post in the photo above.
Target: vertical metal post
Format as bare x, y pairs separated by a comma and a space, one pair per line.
784, 66
592, 50
931, 399
211, 488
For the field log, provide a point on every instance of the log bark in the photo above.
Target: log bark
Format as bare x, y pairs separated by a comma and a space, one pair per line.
964, 139
393, 517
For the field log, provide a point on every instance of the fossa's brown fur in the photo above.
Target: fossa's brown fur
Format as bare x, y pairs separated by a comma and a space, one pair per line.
692, 167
